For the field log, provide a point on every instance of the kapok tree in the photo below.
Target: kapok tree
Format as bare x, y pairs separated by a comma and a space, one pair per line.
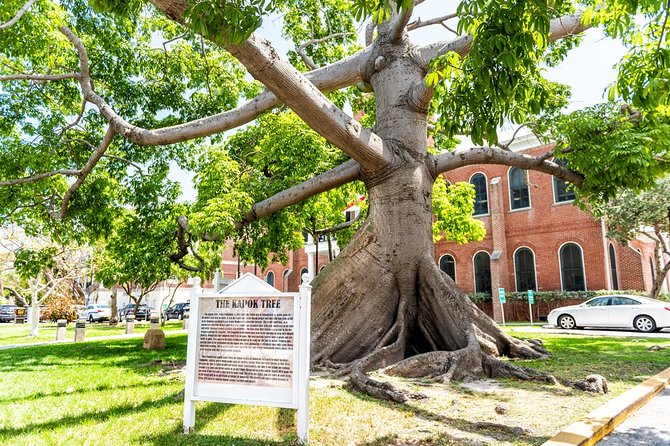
96, 91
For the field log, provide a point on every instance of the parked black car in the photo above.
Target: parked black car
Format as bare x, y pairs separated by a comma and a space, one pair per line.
7, 313
142, 313
177, 311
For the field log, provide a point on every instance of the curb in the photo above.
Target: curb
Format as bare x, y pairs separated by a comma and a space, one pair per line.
606, 418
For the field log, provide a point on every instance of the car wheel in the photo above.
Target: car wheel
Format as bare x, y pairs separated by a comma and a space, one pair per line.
90, 318
566, 321
644, 323
180, 316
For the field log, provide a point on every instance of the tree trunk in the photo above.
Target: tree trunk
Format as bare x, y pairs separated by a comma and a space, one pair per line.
384, 302
660, 278
34, 313
114, 310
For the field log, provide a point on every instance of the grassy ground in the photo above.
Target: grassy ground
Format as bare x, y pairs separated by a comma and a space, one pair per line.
19, 334
114, 392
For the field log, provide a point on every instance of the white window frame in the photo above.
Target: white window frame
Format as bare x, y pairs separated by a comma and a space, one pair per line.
509, 190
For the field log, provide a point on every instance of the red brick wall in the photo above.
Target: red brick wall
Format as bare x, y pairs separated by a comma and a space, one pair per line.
543, 228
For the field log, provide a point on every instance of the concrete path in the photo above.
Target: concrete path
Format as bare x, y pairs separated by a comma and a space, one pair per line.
649, 426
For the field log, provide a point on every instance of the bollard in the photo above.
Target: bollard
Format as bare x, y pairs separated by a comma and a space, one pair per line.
130, 324
61, 327
185, 319
80, 330
154, 338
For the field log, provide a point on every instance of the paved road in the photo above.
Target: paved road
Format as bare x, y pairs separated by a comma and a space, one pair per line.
649, 426
664, 334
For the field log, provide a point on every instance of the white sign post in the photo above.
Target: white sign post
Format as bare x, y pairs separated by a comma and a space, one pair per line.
249, 344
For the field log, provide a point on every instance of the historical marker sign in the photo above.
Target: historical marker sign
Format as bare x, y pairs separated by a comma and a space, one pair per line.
249, 344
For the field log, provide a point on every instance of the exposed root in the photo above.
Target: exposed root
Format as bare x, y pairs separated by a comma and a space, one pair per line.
592, 383
496, 368
377, 389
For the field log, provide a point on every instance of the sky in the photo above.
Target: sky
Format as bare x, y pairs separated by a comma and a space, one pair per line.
588, 69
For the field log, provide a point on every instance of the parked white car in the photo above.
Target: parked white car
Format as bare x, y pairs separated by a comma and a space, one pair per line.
98, 312
615, 311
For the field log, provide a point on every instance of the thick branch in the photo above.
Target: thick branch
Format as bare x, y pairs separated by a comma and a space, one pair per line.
340, 175
86, 170
39, 77
26, 6
401, 23
561, 27
492, 155
341, 74
38, 177
263, 62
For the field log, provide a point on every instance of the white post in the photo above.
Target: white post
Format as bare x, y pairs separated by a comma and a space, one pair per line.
530, 310
305, 301
189, 403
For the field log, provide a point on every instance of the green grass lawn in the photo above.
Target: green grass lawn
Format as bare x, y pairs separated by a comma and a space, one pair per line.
113, 392
20, 334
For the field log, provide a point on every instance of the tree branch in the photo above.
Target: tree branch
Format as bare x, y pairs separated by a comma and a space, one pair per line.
86, 170
561, 27
301, 49
332, 77
38, 177
18, 15
39, 77
400, 24
418, 23
315, 109
493, 155
340, 175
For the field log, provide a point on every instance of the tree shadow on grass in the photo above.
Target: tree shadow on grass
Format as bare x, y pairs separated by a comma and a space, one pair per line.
126, 353
98, 415
207, 414
82, 392
460, 424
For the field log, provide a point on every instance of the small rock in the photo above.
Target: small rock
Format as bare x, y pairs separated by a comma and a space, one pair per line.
69, 390
502, 409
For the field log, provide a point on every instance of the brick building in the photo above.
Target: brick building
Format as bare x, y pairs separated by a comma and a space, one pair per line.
535, 239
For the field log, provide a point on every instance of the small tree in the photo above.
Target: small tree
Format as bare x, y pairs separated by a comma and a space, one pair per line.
646, 214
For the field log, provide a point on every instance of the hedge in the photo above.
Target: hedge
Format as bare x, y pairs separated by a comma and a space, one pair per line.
550, 296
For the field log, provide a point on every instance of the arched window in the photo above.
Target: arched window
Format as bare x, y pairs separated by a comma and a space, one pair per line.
524, 267
562, 191
478, 180
303, 271
448, 265
519, 194
270, 278
285, 279
572, 268
613, 271
482, 263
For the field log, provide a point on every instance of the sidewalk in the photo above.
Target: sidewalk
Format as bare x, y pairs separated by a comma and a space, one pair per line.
650, 426
97, 338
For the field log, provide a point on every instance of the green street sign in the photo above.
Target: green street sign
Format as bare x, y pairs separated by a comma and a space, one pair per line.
501, 293
531, 297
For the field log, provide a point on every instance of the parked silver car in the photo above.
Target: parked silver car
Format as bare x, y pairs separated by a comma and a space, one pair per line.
615, 311
97, 313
